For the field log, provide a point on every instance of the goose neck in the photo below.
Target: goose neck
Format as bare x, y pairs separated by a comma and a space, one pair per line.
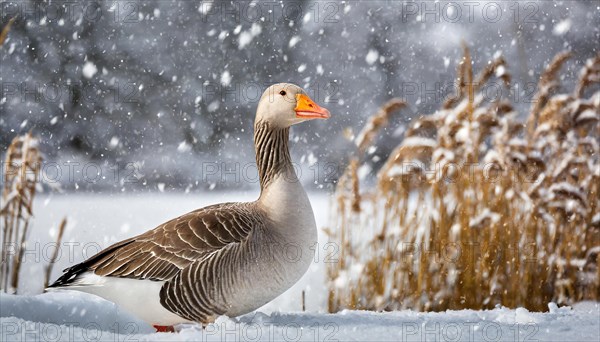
272, 154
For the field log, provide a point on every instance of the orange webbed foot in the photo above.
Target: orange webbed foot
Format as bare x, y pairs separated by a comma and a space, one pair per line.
164, 328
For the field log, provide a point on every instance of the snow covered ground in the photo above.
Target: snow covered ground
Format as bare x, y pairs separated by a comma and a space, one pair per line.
96, 221
82, 317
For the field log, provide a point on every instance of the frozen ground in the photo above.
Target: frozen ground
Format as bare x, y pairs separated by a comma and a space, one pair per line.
82, 317
96, 221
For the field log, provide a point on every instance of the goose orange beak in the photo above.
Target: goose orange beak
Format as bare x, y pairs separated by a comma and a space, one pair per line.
308, 109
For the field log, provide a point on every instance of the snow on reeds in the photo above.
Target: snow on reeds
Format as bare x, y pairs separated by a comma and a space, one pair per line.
20, 182
474, 207
20, 178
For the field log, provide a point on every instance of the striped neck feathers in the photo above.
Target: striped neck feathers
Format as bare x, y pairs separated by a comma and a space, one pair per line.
272, 153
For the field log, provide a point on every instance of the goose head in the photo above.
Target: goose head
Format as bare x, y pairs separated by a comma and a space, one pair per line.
286, 104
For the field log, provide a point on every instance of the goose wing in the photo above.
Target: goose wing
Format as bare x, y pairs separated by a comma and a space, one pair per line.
160, 254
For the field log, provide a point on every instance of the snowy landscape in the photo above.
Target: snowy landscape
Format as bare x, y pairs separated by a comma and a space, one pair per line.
74, 316
80, 322
455, 183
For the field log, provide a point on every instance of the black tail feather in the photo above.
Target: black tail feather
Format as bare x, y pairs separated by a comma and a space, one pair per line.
72, 274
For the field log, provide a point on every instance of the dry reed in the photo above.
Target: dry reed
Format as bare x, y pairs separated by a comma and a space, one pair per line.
472, 210
50, 266
21, 172
5, 30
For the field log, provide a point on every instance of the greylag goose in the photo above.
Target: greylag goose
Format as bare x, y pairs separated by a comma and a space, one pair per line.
224, 259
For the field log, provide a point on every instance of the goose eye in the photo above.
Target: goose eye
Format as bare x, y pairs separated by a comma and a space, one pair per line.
282, 93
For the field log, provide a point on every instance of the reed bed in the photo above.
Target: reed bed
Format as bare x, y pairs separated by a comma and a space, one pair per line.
476, 207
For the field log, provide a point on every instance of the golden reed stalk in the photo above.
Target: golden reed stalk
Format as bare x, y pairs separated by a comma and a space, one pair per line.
21, 172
